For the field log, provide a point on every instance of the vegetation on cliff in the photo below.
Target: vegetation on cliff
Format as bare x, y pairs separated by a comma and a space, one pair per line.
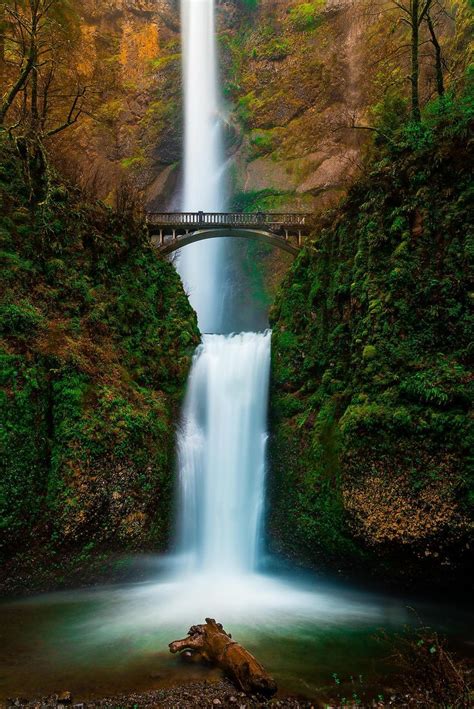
372, 388
96, 336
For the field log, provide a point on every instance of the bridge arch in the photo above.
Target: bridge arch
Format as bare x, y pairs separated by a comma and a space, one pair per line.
212, 233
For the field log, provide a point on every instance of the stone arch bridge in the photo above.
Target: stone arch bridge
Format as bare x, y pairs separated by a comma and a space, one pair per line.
171, 231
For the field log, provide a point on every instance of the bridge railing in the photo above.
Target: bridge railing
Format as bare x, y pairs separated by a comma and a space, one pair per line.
195, 219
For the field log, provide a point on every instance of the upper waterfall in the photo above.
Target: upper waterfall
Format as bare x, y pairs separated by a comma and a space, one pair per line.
201, 265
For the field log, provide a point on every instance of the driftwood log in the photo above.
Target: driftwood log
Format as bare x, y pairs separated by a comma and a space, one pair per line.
212, 644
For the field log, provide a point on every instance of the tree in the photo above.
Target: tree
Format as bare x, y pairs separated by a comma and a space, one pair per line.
37, 37
25, 49
419, 23
413, 14
44, 94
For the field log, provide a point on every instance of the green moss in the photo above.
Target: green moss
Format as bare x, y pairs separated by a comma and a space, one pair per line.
275, 49
306, 16
372, 339
19, 319
260, 200
262, 142
133, 163
162, 62
96, 339
110, 111
369, 352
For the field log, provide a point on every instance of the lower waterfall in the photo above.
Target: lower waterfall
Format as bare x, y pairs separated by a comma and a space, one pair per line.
221, 453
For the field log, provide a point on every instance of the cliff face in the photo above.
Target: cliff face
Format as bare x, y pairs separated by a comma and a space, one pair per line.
372, 390
291, 72
287, 80
296, 78
131, 62
96, 338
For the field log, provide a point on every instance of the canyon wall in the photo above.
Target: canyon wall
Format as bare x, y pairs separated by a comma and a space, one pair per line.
371, 472
96, 339
291, 82
297, 78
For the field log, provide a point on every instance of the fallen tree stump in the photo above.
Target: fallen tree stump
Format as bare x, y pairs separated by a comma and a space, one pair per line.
213, 644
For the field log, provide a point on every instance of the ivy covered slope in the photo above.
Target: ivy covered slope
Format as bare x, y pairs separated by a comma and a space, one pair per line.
96, 336
372, 387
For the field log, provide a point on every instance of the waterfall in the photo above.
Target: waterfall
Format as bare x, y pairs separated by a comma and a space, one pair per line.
222, 452
201, 265
221, 444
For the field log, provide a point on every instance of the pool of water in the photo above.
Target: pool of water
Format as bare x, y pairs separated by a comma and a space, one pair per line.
313, 636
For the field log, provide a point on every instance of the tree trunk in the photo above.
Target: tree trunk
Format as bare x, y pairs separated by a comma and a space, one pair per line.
415, 64
438, 56
17, 86
34, 127
212, 643
3, 27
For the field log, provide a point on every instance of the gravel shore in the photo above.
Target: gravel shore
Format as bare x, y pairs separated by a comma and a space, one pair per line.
197, 694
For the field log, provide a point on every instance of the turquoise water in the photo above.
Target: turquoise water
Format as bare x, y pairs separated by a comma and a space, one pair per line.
317, 639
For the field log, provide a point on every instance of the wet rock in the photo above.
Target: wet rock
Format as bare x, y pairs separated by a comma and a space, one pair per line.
65, 698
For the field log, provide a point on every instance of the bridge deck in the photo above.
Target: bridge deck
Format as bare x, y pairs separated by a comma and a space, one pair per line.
206, 220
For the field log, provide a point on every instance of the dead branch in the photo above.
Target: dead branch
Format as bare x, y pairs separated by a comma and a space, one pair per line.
211, 643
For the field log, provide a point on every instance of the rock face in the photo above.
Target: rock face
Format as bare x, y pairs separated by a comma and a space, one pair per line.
288, 86
292, 78
132, 134
372, 391
295, 78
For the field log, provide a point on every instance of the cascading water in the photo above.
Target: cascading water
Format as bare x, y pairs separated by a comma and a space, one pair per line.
221, 445
201, 266
222, 452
